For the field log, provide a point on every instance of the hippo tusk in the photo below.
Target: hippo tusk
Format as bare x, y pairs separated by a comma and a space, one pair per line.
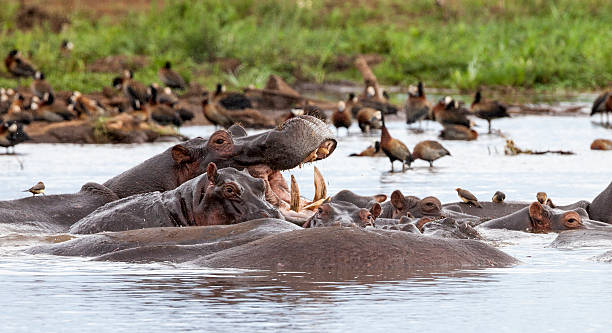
314, 205
322, 153
319, 184
295, 195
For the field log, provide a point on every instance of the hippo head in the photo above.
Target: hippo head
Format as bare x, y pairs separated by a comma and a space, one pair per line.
224, 196
344, 214
449, 228
544, 219
297, 141
413, 206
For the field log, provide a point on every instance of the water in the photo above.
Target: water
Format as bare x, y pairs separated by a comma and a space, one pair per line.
552, 290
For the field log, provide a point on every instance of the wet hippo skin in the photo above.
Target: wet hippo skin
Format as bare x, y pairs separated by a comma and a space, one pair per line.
223, 196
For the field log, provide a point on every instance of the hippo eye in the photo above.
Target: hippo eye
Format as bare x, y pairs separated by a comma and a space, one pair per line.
219, 141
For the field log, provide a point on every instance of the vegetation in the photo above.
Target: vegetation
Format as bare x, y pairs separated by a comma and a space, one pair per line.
537, 44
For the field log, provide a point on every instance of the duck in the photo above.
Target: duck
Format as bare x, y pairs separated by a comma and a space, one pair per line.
448, 112
171, 78
488, 110
342, 117
162, 113
16, 111
369, 119
458, 132
417, 106
136, 92
214, 114
394, 148
11, 134
371, 100
84, 107
5, 102
18, 66
55, 112
372, 150
231, 100
603, 104
66, 47
429, 150
42, 89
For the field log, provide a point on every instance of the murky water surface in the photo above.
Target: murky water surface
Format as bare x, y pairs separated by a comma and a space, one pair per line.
553, 290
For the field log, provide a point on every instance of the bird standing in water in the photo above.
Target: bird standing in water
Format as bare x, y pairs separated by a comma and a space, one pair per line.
468, 197
342, 117
39, 188
394, 148
429, 150
488, 110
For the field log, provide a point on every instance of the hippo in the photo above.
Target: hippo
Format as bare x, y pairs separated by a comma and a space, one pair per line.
571, 239
298, 140
540, 218
601, 207
343, 213
358, 200
223, 196
273, 244
401, 205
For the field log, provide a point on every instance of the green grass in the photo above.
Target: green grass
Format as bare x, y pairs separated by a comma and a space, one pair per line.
539, 44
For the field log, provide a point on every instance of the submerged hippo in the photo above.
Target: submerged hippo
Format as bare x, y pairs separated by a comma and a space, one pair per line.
298, 140
540, 218
344, 214
601, 207
279, 245
223, 196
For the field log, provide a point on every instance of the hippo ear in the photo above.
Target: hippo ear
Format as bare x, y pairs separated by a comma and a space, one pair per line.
397, 200
181, 154
380, 197
538, 215
237, 131
536, 211
376, 210
211, 173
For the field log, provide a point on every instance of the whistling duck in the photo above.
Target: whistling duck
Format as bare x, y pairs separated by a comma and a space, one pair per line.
18, 66
165, 96
84, 107
66, 47
488, 110
458, 132
215, 115
11, 134
368, 119
171, 78
342, 117
603, 104
372, 150
417, 106
370, 100
136, 92
601, 144
162, 113
394, 149
56, 112
231, 100
16, 111
467, 197
429, 151
42, 89
448, 112
5, 103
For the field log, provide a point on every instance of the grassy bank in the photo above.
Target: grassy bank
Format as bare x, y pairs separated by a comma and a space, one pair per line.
539, 44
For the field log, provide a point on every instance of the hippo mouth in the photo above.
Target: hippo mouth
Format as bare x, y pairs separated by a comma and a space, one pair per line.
287, 199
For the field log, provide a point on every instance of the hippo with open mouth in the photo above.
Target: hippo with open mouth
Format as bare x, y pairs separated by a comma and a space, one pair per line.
225, 196
299, 140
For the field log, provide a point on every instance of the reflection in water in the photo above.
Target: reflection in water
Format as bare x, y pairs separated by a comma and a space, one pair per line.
551, 290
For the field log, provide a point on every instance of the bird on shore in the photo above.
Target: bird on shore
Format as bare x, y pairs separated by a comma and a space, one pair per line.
42, 89
449, 112
214, 114
162, 113
18, 66
417, 106
342, 117
66, 47
488, 110
429, 150
171, 78
231, 100
394, 148
467, 197
39, 188
136, 92
372, 150
543, 198
603, 104
498, 197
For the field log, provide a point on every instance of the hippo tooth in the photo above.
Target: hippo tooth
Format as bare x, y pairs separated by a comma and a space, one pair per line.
295, 195
319, 184
314, 205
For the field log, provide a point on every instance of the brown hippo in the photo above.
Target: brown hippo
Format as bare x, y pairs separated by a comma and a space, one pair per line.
223, 196
344, 214
571, 239
300, 139
358, 200
279, 245
401, 205
539, 218
601, 207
